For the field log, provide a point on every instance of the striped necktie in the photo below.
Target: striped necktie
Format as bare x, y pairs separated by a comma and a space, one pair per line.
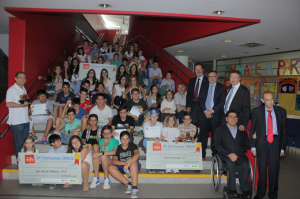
209, 98
226, 106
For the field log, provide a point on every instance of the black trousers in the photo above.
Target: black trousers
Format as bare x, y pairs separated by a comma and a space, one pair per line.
242, 167
195, 113
269, 157
206, 126
119, 101
179, 116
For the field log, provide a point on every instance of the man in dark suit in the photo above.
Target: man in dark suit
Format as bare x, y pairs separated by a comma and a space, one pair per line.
194, 88
211, 102
268, 123
231, 144
238, 98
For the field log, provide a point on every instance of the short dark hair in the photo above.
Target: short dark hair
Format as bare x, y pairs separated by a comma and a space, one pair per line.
124, 107
124, 59
20, 72
116, 54
93, 115
116, 43
100, 95
95, 43
99, 84
212, 71
66, 83
76, 101
135, 56
170, 72
153, 58
155, 61
236, 71
86, 82
187, 114
135, 89
53, 138
104, 42
86, 41
71, 110
124, 133
106, 127
83, 90
266, 92
198, 64
100, 58
41, 92
232, 111
181, 84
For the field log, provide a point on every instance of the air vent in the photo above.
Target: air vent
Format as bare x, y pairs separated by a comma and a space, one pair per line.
252, 44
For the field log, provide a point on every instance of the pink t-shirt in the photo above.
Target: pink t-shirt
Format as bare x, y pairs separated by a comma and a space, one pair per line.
87, 49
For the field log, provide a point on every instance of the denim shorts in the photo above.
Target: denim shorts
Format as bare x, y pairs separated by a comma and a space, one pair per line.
63, 139
121, 167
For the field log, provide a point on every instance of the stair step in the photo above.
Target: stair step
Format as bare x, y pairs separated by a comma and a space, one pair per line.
184, 177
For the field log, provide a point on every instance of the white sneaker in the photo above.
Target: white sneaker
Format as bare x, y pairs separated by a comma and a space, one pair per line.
168, 170
175, 170
95, 182
129, 189
106, 185
134, 193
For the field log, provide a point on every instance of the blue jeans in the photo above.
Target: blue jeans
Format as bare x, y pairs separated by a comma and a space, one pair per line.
145, 75
76, 86
153, 81
63, 139
145, 142
140, 121
20, 132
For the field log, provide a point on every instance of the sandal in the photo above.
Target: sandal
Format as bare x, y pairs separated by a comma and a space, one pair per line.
67, 185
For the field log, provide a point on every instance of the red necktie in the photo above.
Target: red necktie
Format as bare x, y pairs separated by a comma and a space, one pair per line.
270, 128
196, 90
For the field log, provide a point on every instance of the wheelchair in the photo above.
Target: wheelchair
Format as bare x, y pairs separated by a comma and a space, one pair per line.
218, 169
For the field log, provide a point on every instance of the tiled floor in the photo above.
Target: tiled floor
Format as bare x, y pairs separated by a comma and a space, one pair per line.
289, 184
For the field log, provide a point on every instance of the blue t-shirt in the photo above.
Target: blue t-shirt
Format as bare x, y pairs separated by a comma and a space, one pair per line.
62, 99
62, 149
80, 113
95, 52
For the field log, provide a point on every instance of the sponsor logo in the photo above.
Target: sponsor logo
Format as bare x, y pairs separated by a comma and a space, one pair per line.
86, 66
156, 147
29, 159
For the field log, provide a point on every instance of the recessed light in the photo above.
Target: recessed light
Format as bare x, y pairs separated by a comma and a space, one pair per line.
219, 12
275, 48
223, 55
227, 40
180, 51
104, 5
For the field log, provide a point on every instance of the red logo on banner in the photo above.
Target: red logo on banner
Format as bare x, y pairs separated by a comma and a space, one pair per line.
156, 147
29, 159
86, 66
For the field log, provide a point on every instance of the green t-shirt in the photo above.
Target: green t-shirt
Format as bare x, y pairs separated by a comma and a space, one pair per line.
112, 143
75, 124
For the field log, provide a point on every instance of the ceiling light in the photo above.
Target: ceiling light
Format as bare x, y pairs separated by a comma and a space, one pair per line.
219, 12
275, 48
223, 55
227, 40
180, 51
104, 5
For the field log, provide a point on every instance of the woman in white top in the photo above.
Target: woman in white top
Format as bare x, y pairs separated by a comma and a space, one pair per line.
168, 106
110, 54
118, 91
170, 133
108, 83
133, 83
76, 146
82, 56
129, 54
73, 75
91, 76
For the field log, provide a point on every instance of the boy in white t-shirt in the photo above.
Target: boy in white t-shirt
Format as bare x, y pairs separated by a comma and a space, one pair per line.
17, 103
104, 113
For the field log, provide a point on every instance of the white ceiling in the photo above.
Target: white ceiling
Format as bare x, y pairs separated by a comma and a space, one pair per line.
116, 22
279, 25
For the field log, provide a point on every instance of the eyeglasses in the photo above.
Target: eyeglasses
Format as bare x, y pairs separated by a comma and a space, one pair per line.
187, 119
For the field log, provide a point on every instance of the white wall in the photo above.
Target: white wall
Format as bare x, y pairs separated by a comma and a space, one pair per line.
4, 43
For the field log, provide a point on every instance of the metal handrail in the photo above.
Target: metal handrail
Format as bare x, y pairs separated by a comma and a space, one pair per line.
62, 51
78, 29
101, 39
141, 36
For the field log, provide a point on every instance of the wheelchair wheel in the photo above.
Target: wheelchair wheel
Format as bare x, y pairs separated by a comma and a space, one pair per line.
216, 172
225, 194
250, 177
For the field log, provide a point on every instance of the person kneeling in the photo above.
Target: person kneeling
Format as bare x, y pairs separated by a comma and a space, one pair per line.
231, 144
108, 148
126, 161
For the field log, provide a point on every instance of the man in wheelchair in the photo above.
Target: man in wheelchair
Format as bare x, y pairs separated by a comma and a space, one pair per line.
231, 144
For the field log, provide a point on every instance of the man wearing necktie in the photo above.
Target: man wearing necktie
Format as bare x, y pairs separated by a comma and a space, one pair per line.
268, 123
238, 98
195, 86
211, 102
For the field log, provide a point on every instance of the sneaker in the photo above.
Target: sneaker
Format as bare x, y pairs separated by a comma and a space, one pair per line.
175, 170
52, 186
135, 193
129, 189
161, 171
152, 171
168, 170
95, 182
35, 138
44, 140
106, 185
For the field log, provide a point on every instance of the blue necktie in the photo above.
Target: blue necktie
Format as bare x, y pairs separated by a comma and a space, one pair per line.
227, 101
209, 98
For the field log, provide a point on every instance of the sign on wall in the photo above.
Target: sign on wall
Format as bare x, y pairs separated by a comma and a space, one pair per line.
288, 85
269, 86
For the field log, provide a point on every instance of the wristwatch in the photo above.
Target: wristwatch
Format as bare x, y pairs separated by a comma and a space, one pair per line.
102, 152
69, 131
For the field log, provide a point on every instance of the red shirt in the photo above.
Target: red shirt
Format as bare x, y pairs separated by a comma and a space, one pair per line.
87, 105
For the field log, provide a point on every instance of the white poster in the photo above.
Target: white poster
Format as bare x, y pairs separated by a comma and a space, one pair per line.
85, 67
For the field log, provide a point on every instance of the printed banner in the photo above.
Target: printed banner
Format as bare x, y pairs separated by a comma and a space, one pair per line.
288, 85
168, 155
269, 86
85, 67
55, 168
